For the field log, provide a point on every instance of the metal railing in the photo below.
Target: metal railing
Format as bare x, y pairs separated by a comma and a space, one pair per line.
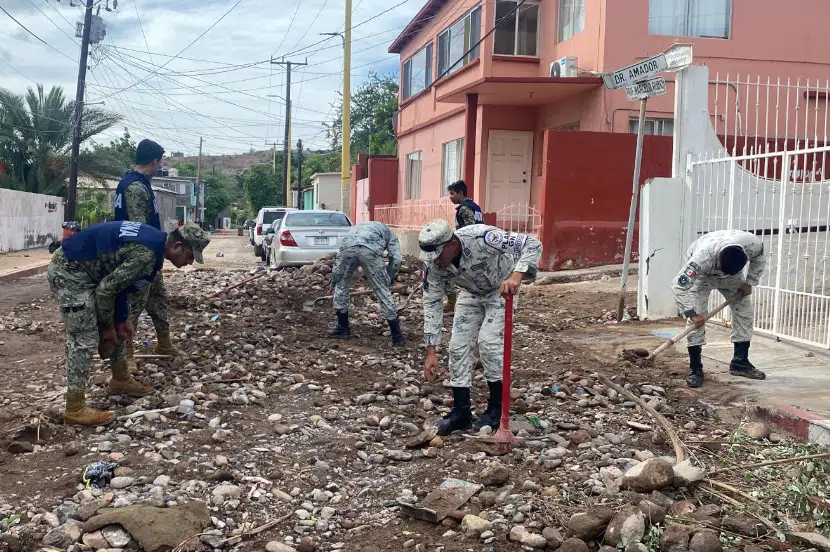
768, 179
523, 219
414, 214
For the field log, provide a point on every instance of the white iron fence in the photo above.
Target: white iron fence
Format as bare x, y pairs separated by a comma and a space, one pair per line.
768, 179
523, 219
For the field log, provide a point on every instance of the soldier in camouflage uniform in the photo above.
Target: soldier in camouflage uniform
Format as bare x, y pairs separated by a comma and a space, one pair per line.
364, 246
92, 275
481, 261
717, 261
466, 214
135, 201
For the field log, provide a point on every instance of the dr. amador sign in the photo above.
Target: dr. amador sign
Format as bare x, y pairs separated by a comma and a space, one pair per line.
634, 73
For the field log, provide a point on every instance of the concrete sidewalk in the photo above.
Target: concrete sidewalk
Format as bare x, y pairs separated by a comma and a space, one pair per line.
584, 274
19, 264
796, 393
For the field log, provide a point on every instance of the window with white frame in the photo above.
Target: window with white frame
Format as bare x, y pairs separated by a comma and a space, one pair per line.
452, 156
417, 72
413, 176
659, 127
517, 30
571, 18
454, 42
691, 18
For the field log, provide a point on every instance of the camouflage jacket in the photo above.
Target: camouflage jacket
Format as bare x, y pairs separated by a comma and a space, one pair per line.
377, 237
488, 257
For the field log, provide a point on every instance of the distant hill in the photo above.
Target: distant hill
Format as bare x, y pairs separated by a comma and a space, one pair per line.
228, 164
232, 164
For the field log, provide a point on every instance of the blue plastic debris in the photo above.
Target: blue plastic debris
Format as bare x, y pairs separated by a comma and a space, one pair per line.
98, 474
214, 318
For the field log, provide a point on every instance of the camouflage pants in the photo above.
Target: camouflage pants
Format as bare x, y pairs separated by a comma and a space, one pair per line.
477, 317
742, 311
76, 301
153, 298
375, 271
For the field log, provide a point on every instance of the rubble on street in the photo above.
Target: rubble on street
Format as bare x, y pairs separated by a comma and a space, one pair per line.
271, 436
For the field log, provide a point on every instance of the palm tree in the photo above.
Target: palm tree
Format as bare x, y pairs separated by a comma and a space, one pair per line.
36, 139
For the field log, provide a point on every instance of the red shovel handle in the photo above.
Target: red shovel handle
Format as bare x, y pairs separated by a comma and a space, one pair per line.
508, 353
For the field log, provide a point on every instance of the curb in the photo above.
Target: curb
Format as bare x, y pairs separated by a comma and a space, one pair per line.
24, 272
583, 275
806, 426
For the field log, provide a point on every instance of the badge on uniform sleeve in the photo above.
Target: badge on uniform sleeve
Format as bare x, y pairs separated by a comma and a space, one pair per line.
507, 242
689, 274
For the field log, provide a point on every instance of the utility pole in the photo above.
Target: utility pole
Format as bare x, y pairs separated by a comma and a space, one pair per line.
287, 145
299, 174
274, 148
199, 185
72, 191
345, 123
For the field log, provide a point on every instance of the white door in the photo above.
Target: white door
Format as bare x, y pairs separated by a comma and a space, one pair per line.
509, 156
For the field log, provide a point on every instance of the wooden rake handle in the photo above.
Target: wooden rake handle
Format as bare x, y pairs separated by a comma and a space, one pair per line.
689, 329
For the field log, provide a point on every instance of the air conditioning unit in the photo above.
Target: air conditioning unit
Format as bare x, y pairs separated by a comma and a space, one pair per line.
565, 67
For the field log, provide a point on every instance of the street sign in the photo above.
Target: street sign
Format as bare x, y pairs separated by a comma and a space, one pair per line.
678, 57
641, 90
635, 73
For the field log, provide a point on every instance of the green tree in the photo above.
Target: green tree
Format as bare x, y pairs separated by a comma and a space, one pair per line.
262, 188
218, 195
36, 139
318, 162
185, 169
122, 150
373, 107
91, 207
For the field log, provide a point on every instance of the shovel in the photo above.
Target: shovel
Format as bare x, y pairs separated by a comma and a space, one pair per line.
504, 438
644, 354
308, 306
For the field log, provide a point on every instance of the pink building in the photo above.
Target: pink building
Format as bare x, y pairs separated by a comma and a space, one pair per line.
491, 115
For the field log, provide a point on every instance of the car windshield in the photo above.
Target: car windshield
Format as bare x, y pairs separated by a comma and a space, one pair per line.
270, 216
300, 220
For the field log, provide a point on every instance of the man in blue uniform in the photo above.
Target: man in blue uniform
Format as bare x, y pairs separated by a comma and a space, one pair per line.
92, 275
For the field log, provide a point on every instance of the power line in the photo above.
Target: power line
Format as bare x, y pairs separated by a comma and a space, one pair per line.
293, 17
34, 35
186, 47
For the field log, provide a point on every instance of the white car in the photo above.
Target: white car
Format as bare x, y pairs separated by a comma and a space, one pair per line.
264, 218
303, 237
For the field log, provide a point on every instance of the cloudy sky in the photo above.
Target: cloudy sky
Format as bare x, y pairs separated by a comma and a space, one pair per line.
172, 86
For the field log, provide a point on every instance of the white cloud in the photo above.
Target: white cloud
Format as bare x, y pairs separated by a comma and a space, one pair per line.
186, 99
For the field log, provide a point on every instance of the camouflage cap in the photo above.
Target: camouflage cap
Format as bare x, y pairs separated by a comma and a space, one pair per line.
195, 238
433, 238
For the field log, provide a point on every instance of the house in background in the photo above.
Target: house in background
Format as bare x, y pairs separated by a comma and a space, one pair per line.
524, 117
325, 191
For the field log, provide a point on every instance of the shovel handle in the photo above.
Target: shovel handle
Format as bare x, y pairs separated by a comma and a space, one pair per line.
689, 329
360, 293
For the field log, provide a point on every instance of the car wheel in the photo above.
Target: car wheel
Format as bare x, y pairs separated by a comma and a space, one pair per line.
264, 254
258, 250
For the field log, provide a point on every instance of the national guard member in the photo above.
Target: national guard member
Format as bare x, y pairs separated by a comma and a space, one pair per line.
466, 214
135, 201
364, 246
716, 261
92, 274
481, 260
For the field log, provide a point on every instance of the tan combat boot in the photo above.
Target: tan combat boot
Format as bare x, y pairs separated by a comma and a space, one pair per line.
129, 356
165, 346
78, 413
122, 383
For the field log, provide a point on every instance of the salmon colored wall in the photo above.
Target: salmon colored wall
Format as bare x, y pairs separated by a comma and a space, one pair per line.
586, 198
429, 142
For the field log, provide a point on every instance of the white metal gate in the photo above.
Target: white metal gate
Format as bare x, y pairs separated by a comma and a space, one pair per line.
769, 178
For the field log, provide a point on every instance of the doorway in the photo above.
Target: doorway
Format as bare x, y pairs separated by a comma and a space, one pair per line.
509, 162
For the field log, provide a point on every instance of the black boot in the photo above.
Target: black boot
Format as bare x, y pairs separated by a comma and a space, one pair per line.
397, 334
695, 377
740, 365
461, 416
341, 330
492, 417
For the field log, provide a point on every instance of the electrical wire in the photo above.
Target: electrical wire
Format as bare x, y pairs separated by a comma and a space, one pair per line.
34, 35
186, 47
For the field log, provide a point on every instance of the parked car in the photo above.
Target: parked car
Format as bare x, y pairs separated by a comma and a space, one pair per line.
264, 218
303, 237
249, 226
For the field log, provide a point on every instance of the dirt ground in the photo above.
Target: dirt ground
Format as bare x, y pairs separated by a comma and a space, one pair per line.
558, 340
